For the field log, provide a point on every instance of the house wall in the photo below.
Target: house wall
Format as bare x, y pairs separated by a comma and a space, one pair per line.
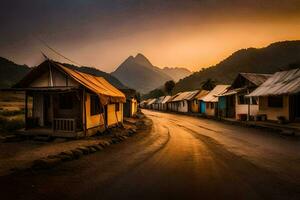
273, 113
243, 108
58, 77
38, 108
210, 111
92, 120
183, 106
112, 117
195, 106
134, 107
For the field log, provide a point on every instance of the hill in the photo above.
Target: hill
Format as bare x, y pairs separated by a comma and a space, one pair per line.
139, 73
177, 73
11, 72
270, 59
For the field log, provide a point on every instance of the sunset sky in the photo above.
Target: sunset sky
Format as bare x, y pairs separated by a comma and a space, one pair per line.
182, 33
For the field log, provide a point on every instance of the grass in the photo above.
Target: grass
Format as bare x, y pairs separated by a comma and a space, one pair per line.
8, 125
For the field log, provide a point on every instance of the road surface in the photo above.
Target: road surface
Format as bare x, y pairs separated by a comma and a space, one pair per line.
181, 158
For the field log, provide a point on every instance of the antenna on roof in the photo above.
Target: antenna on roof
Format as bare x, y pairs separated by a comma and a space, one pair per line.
56, 52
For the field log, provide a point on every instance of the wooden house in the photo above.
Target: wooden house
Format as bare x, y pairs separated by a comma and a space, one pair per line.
234, 103
131, 105
196, 102
68, 103
210, 101
183, 101
279, 96
164, 103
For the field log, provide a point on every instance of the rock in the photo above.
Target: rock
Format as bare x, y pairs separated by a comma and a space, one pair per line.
77, 153
65, 157
98, 147
84, 150
92, 149
68, 153
45, 163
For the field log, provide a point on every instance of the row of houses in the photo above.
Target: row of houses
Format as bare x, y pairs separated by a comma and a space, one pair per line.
251, 96
68, 103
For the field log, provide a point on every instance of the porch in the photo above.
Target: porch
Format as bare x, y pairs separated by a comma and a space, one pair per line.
54, 112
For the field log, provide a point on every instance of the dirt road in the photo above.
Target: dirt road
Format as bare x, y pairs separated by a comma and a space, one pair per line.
181, 158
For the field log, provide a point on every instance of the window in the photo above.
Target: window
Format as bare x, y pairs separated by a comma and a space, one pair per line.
183, 104
117, 107
243, 100
212, 105
95, 105
275, 101
254, 100
65, 101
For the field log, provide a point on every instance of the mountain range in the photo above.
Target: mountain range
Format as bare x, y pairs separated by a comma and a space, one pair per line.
139, 73
275, 57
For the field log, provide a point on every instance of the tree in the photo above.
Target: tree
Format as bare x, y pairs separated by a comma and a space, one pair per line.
169, 86
209, 84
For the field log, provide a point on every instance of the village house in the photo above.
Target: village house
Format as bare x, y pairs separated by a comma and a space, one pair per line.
234, 103
196, 103
279, 96
150, 104
164, 105
158, 104
171, 106
131, 105
183, 102
210, 101
68, 103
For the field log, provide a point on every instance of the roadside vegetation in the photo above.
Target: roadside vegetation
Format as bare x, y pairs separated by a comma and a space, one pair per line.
11, 112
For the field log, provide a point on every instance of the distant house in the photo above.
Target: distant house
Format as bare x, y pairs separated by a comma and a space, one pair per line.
196, 102
68, 103
172, 106
210, 101
158, 104
131, 105
234, 103
150, 104
279, 96
164, 103
183, 101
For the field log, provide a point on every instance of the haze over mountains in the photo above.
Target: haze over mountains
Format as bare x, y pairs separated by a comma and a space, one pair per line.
139, 73
275, 57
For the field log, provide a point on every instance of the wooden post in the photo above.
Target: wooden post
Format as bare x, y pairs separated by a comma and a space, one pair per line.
84, 112
52, 106
26, 110
249, 102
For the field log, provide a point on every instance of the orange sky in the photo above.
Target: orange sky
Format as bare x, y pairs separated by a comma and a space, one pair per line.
191, 34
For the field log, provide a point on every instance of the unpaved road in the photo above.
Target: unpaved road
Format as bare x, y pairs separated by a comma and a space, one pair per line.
181, 158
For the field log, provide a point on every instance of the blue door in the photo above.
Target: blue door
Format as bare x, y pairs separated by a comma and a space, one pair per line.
202, 107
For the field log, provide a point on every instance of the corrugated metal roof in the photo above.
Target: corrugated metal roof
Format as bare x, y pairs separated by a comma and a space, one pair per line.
166, 99
201, 94
232, 91
160, 99
256, 79
285, 82
152, 101
186, 95
212, 95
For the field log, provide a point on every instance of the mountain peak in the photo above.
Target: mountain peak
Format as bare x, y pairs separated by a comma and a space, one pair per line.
142, 60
